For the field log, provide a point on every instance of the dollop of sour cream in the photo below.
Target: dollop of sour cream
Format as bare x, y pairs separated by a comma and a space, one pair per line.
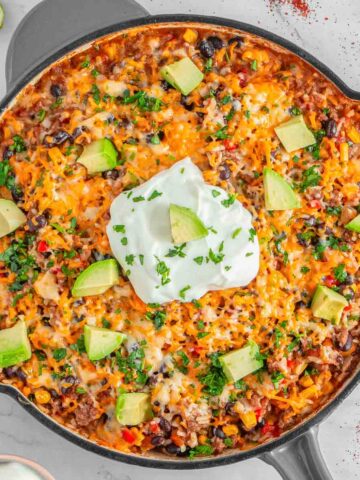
17, 471
139, 233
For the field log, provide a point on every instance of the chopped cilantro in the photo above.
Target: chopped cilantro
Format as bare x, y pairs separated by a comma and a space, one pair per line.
221, 134
95, 92
140, 198
158, 318
143, 101
340, 273
236, 232
59, 354
254, 65
163, 270
199, 260
208, 65
201, 450
252, 233
310, 178
177, 251
154, 194
41, 115
229, 201
183, 291
295, 111
215, 193
119, 228
276, 377
129, 259
124, 241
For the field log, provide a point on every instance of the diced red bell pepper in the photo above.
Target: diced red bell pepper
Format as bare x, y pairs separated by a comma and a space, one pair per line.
315, 204
42, 246
274, 430
229, 145
291, 363
330, 281
128, 436
154, 427
347, 308
258, 412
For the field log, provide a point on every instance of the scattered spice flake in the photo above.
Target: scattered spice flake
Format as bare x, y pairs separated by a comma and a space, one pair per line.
301, 7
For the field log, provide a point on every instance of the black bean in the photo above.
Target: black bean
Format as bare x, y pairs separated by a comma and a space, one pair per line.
77, 132
184, 453
238, 40
34, 224
111, 174
206, 48
261, 423
348, 344
300, 304
161, 135
104, 381
17, 194
70, 379
217, 432
311, 221
41, 220
66, 390
225, 171
157, 441
157, 403
349, 280
165, 85
186, 104
21, 375
7, 153
78, 302
165, 425
229, 406
216, 42
56, 90
131, 141
173, 449
330, 128
53, 393
57, 139
10, 372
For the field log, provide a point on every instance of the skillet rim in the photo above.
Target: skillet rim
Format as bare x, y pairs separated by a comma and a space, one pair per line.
240, 455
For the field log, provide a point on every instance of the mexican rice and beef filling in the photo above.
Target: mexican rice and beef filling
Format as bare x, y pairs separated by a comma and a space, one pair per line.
171, 352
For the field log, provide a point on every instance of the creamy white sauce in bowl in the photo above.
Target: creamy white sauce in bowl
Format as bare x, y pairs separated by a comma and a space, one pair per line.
17, 471
140, 237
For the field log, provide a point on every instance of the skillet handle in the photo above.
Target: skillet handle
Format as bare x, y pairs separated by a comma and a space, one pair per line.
299, 459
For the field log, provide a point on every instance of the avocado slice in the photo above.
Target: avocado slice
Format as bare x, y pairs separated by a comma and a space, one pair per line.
239, 363
185, 224
100, 342
133, 408
2, 15
11, 217
278, 193
184, 75
99, 156
294, 134
14, 345
96, 279
354, 225
328, 304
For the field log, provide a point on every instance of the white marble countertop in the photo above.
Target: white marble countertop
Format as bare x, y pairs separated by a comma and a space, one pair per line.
332, 34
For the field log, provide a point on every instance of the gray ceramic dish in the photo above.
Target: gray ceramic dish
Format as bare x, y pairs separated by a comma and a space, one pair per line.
50, 31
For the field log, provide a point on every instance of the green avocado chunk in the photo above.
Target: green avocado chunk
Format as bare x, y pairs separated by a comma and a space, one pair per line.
278, 193
99, 156
328, 304
354, 225
239, 363
184, 75
14, 345
100, 342
96, 279
133, 408
11, 217
294, 134
185, 224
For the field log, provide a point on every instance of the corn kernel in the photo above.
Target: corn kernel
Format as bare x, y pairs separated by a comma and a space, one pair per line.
190, 35
248, 419
354, 135
306, 381
309, 392
230, 430
42, 396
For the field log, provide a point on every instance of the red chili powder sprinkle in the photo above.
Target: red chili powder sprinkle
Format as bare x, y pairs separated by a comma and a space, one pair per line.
300, 6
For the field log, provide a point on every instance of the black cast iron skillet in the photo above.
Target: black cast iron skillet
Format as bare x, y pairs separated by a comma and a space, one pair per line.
51, 31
